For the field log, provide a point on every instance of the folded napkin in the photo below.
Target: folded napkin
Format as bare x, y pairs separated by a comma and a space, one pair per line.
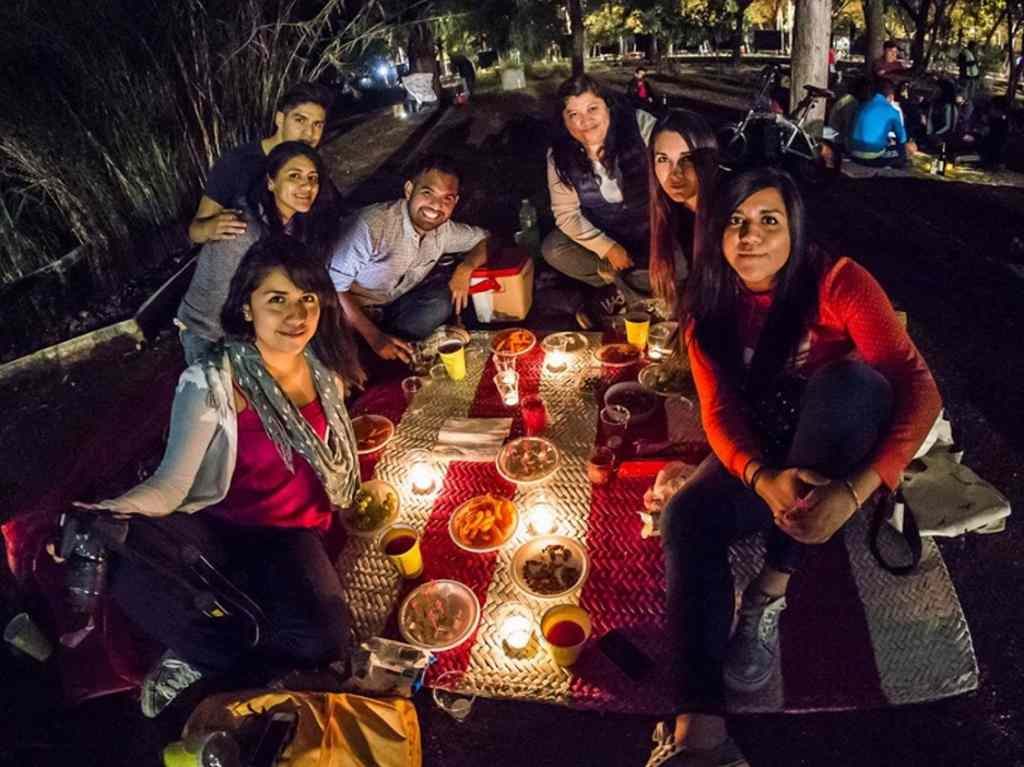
472, 439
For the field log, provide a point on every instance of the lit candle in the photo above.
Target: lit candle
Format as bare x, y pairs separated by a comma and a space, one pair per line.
421, 473
556, 362
542, 519
516, 630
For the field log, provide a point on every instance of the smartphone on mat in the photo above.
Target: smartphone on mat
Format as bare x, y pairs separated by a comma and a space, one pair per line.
277, 734
634, 663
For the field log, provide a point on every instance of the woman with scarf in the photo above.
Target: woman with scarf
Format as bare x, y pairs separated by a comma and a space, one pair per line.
260, 456
296, 198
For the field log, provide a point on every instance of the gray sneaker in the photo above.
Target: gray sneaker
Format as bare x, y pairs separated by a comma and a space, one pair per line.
752, 651
170, 677
668, 753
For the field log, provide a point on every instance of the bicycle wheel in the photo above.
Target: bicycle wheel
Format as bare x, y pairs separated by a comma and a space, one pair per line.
732, 145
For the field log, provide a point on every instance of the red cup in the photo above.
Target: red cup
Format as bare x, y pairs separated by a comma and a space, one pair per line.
535, 415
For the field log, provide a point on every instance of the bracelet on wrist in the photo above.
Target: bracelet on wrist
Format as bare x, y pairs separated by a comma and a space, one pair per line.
853, 493
756, 476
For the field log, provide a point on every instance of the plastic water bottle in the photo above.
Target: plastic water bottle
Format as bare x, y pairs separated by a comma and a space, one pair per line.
527, 215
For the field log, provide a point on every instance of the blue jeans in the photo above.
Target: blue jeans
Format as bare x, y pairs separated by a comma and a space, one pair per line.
418, 313
844, 411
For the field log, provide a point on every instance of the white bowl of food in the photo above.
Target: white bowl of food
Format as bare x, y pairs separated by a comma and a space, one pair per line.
550, 567
439, 615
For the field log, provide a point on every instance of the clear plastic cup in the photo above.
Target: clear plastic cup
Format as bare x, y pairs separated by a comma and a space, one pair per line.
507, 384
458, 705
410, 387
23, 633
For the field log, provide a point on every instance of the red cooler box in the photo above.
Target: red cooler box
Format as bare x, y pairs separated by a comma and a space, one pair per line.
503, 288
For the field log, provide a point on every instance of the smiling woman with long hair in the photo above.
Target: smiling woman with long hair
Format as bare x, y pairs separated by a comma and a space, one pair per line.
260, 456
597, 177
813, 397
289, 199
683, 180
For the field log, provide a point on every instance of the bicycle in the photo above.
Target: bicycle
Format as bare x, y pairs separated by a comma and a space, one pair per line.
783, 139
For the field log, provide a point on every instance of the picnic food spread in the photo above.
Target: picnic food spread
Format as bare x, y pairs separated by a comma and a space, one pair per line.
372, 432
484, 523
666, 379
617, 354
528, 459
439, 615
552, 571
513, 341
369, 512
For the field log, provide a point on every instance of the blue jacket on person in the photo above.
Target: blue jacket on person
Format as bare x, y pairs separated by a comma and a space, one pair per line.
875, 120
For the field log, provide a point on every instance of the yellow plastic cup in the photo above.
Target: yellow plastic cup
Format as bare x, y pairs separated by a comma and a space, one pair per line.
453, 355
566, 654
407, 558
638, 325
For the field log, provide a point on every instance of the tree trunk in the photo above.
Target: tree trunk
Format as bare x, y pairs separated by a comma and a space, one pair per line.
874, 32
811, 34
737, 35
578, 37
1011, 85
655, 53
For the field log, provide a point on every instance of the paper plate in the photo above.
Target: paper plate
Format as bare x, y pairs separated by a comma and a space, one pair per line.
372, 432
514, 459
513, 341
535, 550
439, 615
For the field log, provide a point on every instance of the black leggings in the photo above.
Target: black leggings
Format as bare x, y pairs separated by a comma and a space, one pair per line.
843, 412
285, 571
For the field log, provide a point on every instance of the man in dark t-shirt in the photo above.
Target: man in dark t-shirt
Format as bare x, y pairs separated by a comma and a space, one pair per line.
300, 116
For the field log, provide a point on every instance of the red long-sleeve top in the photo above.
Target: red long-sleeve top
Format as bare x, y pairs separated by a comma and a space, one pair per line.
856, 319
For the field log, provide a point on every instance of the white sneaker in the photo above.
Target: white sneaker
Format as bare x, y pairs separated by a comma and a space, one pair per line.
170, 677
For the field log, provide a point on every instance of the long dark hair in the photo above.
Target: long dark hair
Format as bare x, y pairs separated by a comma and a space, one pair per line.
317, 227
332, 343
712, 292
570, 155
671, 222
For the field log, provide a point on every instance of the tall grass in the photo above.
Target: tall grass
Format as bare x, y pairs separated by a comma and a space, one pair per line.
115, 109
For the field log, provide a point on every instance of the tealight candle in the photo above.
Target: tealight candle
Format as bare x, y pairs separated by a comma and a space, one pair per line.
422, 476
516, 630
556, 362
541, 520
515, 626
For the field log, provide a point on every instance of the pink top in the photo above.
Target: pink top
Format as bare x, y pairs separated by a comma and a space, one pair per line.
263, 492
854, 318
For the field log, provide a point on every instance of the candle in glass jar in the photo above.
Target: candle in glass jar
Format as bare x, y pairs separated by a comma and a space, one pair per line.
422, 476
542, 519
556, 362
516, 631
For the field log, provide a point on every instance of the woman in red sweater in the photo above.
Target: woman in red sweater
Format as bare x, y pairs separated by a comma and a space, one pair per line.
813, 397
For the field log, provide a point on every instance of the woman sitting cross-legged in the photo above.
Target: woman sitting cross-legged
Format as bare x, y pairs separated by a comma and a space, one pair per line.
260, 455
295, 197
812, 396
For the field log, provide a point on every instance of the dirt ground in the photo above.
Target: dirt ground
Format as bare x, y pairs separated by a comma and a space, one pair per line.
942, 251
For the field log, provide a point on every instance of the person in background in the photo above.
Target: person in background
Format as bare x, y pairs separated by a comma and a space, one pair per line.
289, 199
915, 118
261, 456
878, 138
684, 176
640, 92
300, 116
395, 282
970, 70
889, 66
813, 397
598, 178
844, 110
943, 115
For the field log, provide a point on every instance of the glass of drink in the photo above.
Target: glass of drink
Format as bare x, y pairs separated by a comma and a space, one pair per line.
456, 704
453, 355
508, 387
638, 324
614, 422
401, 544
410, 386
535, 415
601, 466
659, 340
504, 362
422, 358
566, 629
